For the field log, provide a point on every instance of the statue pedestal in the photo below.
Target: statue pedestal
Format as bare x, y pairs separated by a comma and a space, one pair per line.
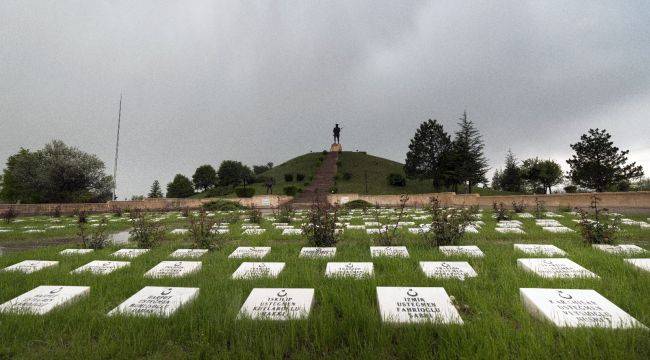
336, 148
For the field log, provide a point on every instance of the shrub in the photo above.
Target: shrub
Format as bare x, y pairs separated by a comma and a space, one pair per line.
571, 189
223, 205
146, 233
358, 204
284, 214
288, 177
300, 177
245, 192
388, 234
56, 213
396, 180
334, 190
320, 227
255, 215
519, 207
447, 224
92, 238
540, 209
347, 176
219, 191
201, 233
117, 212
290, 190
185, 212
595, 227
324, 152
500, 211
9, 215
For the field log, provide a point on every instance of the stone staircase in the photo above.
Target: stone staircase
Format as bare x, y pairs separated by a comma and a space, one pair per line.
319, 188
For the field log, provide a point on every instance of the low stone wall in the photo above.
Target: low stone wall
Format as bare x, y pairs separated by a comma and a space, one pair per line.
633, 202
261, 201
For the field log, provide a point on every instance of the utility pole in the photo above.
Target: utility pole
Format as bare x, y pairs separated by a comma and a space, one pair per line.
117, 148
365, 175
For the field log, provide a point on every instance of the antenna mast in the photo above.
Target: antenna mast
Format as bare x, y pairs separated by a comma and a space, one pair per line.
117, 148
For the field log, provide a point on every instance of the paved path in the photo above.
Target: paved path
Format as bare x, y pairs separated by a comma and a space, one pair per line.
320, 186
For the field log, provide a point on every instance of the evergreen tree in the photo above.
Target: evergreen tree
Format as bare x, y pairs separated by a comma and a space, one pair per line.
598, 164
180, 187
429, 155
204, 177
469, 163
511, 179
155, 191
496, 180
234, 173
541, 175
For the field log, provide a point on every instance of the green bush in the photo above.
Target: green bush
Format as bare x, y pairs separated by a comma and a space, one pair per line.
300, 177
288, 177
290, 190
146, 232
347, 176
219, 191
223, 205
357, 204
570, 189
396, 180
245, 192
334, 190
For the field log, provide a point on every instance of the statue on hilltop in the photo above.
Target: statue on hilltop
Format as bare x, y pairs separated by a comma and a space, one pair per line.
337, 134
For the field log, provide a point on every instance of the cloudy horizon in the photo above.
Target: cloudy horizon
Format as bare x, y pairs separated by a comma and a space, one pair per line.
208, 81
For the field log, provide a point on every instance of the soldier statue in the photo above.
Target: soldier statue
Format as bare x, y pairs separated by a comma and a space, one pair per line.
337, 134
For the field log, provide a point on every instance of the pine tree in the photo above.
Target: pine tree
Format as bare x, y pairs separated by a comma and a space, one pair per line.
511, 179
469, 163
598, 164
155, 191
429, 154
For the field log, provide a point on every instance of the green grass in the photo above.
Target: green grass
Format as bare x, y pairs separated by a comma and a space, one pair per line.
344, 322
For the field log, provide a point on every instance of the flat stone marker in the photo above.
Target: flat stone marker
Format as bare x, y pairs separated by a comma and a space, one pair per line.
100, 267
277, 304
43, 299
469, 250
448, 269
575, 308
254, 231
540, 249
643, 264
30, 266
389, 251
249, 270
179, 231
350, 269
555, 268
75, 251
250, 252
416, 305
188, 253
173, 269
292, 232
129, 253
623, 249
557, 229
317, 252
509, 230
156, 301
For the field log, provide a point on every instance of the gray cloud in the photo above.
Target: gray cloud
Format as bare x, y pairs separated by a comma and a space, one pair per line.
205, 81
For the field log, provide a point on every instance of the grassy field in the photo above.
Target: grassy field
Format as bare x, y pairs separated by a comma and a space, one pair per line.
344, 322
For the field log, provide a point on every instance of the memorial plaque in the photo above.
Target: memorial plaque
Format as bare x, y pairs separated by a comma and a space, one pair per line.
129, 253
416, 305
292, 232
188, 253
643, 264
540, 249
389, 251
173, 269
554, 268
156, 301
100, 267
43, 299
277, 304
254, 231
470, 250
30, 266
248, 270
350, 269
372, 223
250, 252
510, 230
557, 229
447, 269
179, 231
317, 252
75, 251
356, 227
623, 249
575, 308
266, 201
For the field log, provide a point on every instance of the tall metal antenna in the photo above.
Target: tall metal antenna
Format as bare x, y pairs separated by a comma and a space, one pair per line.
117, 148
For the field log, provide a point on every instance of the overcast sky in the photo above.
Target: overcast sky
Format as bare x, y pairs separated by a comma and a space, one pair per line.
205, 81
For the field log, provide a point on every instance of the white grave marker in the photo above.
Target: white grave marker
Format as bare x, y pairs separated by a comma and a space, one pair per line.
448, 269
188, 253
317, 252
349, 269
554, 268
130, 253
277, 304
250, 252
30, 266
292, 232
156, 301
416, 305
540, 249
75, 251
389, 251
249, 270
470, 250
643, 264
173, 269
43, 299
575, 308
100, 267
623, 249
